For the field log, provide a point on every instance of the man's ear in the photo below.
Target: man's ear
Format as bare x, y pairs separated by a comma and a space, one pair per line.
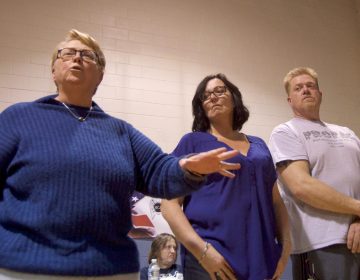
101, 77
53, 73
289, 100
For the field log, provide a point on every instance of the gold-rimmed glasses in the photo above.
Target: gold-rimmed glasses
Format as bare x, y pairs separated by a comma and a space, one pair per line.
70, 53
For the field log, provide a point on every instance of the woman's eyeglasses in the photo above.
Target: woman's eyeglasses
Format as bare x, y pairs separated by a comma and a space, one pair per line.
217, 92
70, 53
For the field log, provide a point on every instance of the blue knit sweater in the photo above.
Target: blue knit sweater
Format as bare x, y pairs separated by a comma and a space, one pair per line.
65, 189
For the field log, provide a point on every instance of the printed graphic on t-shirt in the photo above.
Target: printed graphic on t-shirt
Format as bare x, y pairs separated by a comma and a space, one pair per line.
333, 139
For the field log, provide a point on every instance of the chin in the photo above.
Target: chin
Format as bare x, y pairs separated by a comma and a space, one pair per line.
171, 262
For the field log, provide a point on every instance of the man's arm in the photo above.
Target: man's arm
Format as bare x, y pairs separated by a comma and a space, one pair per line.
296, 176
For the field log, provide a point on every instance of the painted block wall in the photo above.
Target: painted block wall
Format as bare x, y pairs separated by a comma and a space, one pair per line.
159, 50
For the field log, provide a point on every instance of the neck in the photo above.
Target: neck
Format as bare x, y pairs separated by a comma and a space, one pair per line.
223, 130
311, 116
162, 265
75, 96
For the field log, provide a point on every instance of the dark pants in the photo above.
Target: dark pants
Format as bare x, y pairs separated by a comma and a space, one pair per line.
193, 270
335, 262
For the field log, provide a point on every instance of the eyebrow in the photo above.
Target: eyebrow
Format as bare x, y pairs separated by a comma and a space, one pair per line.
306, 83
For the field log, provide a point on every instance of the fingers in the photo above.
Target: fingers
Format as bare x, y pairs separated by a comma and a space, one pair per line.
229, 166
217, 266
276, 276
224, 168
353, 238
355, 248
222, 153
226, 155
229, 274
223, 275
227, 174
210, 162
225, 272
350, 238
216, 152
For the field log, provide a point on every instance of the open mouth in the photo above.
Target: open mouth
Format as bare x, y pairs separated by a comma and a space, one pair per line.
76, 68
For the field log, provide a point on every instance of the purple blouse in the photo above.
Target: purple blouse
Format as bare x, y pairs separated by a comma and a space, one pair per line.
236, 215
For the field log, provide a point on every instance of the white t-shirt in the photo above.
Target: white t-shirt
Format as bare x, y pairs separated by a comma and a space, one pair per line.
333, 153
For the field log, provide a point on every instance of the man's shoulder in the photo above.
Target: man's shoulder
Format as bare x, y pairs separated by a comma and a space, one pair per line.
295, 125
284, 127
336, 126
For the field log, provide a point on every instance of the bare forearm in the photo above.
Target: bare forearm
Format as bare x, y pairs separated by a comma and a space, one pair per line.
282, 223
319, 195
181, 227
296, 176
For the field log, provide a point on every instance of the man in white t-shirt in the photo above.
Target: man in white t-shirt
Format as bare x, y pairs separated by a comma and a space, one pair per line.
319, 172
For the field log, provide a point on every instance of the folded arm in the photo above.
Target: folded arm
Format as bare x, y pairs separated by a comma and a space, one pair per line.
295, 175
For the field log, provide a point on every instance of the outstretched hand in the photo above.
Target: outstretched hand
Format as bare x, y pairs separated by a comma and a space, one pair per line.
211, 162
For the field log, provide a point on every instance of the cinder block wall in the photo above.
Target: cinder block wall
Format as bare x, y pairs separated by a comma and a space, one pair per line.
158, 51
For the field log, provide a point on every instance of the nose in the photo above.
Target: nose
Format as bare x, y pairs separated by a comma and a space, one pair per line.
172, 250
213, 97
77, 57
305, 89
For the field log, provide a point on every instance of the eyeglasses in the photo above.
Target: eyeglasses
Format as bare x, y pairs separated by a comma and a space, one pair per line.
217, 91
70, 53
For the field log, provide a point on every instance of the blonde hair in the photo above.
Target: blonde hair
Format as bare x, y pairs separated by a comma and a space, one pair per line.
87, 40
297, 72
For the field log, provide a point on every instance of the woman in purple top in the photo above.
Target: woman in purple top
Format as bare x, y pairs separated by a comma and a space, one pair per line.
231, 228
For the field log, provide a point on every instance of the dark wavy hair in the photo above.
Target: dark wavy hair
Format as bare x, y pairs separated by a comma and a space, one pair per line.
158, 244
201, 121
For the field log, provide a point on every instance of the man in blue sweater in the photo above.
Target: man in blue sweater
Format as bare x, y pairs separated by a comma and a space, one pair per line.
67, 171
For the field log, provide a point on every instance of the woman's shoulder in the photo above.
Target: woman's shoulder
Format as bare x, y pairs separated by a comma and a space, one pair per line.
16, 109
190, 141
196, 136
255, 139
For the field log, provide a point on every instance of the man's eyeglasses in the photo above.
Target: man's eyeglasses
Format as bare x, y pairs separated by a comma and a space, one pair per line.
217, 91
70, 53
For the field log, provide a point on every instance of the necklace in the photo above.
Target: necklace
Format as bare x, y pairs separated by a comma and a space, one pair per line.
79, 118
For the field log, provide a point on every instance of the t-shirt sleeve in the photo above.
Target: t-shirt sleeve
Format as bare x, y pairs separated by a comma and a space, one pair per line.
355, 137
286, 144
